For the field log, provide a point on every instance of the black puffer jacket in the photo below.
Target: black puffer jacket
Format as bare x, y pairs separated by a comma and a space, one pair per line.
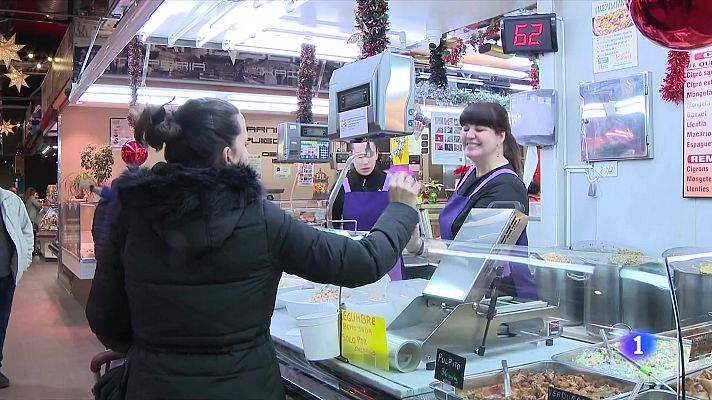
190, 274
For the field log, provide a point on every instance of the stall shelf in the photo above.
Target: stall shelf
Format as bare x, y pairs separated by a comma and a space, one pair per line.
450, 314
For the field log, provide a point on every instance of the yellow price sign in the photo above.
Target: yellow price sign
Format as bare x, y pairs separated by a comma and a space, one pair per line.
363, 339
399, 151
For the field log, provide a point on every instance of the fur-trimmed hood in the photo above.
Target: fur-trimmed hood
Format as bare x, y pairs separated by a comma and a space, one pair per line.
171, 191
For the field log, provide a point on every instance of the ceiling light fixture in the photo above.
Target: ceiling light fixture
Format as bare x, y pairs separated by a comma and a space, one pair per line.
30, 56
165, 11
494, 71
521, 88
293, 53
49, 59
45, 150
39, 65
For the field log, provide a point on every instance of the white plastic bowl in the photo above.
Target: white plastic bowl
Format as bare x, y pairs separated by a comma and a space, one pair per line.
289, 284
298, 301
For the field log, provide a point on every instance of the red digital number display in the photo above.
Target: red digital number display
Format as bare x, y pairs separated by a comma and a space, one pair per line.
528, 34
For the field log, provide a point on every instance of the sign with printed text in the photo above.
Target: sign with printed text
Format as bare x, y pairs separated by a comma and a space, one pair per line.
450, 368
399, 151
697, 142
615, 39
363, 339
558, 394
701, 347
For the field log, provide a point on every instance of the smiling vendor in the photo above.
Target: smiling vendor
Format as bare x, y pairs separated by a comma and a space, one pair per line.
364, 196
497, 158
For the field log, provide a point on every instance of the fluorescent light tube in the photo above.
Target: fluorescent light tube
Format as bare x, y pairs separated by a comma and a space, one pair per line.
495, 71
524, 88
441, 109
45, 150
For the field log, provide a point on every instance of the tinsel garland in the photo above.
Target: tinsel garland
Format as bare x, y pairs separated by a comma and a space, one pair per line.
479, 37
456, 97
673, 88
135, 67
438, 73
534, 70
306, 78
372, 20
455, 50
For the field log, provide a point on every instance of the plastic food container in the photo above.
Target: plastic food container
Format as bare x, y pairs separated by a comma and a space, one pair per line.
320, 335
303, 302
289, 284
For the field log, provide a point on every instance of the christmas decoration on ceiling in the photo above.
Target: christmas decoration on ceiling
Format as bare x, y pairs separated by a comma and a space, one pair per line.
372, 21
534, 70
17, 78
135, 67
454, 50
306, 78
438, 72
6, 128
673, 88
8, 50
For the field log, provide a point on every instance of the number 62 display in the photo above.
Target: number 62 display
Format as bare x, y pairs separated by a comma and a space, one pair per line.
526, 34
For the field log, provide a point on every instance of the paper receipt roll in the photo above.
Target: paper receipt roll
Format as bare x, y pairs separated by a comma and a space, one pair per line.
403, 354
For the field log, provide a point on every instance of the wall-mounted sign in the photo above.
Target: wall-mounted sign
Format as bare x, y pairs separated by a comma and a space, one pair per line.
529, 34
120, 132
615, 39
697, 142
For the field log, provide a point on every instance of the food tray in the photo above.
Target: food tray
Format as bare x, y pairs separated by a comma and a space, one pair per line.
570, 356
497, 377
690, 375
657, 395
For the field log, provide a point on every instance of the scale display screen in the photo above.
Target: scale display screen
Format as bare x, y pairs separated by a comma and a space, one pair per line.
314, 150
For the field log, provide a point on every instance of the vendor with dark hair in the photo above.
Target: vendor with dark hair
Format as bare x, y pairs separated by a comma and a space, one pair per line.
188, 278
364, 196
495, 177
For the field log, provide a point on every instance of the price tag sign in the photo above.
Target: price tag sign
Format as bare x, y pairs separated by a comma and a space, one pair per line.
450, 368
363, 339
701, 346
558, 394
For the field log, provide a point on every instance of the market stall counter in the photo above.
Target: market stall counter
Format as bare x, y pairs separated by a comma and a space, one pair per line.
469, 309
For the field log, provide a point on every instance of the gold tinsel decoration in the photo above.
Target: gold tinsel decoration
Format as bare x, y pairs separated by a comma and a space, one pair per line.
17, 78
6, 128
8, 50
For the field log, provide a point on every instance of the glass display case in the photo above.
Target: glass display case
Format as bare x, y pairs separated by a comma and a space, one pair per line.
593, 321
312, 212
76, 238
47, 233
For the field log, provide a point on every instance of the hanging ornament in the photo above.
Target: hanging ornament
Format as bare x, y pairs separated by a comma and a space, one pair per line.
306, 80
17, 78
133, 153
438, 72
674, 24
8, 50
673, 88
372, 20
455, 49
534, 70
135, 67
6, 128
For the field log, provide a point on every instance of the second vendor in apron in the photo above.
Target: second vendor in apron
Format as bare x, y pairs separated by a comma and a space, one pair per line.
363, 197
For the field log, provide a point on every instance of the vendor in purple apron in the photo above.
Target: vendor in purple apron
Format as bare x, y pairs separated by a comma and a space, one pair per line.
488, 142
364, 196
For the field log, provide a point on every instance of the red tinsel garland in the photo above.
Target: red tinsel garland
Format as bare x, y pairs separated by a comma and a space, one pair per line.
372, 20
673, 88
306, 77
455, 53
534, 70
135, 67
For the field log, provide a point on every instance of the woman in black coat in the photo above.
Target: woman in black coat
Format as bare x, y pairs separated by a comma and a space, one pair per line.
189, 275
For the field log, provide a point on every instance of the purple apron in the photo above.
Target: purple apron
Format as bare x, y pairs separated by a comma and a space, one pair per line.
365, 208
521, 276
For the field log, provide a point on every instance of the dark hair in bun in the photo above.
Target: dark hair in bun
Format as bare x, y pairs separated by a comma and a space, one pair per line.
194, 135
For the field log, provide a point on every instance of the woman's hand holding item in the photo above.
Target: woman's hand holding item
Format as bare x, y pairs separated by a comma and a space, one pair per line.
404, 189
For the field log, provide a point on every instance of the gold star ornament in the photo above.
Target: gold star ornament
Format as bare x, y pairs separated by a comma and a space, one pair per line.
6, 128
17, 78
8, 50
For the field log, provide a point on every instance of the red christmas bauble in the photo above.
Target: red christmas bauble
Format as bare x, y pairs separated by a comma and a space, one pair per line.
133, 153
674, 24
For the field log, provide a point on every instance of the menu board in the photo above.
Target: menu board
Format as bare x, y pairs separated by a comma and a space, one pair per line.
446, 133
615, 40
697, 171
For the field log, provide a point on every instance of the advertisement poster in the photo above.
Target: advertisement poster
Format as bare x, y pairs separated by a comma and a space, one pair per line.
282, 172
256, 163
399, 151
363, 340
120, 132
306, 175
615, 39
697, 171
446, 134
